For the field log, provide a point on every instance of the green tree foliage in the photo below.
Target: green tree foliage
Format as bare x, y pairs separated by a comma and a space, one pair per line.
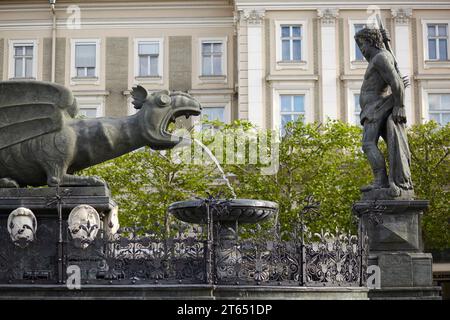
323, 160
430, 157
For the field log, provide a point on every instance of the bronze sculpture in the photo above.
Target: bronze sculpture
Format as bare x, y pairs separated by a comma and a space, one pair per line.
42, 143
383, 115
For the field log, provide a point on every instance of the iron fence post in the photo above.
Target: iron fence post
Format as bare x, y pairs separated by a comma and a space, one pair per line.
60, 253
302, 248
209, 245
361, 248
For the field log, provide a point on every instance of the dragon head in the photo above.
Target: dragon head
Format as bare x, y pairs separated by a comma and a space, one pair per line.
158, 110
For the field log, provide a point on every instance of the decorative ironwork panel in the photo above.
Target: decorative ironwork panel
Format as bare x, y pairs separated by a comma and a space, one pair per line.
128, 257
34, 263
258, 262
332, 260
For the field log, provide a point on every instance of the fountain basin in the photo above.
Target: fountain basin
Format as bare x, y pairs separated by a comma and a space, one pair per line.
225, 212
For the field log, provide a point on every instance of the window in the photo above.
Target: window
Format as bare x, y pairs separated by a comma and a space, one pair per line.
149, 60
437, 41
90, 106
85, 59
148, 56
291, 37
357, 60
439, 108
291, 50
23, 61
214, 113
291, 108
210, 113
358, 54
357, 109
88, 112
212, 58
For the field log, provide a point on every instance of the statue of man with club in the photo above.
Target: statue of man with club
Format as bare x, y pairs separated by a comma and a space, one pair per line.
383, 115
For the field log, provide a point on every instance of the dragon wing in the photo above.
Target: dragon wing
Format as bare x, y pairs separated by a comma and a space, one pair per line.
32, 108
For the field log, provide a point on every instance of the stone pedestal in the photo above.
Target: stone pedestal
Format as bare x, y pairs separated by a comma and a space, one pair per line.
42, 260
394, 234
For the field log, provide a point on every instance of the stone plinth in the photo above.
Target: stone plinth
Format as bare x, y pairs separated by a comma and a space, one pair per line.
394, 232
43, 203
392, 225
42, 260
403, 269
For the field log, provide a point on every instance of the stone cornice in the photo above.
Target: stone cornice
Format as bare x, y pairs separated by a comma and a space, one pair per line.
91, 92
435, 76
87, 5
306, 77
115, 23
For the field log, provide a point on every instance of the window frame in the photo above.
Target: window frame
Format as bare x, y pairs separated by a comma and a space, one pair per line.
436, 38
426, 108
356, 46
196, 120
215, 78
428, 63
355, 64
281, 113
226, 119
98, 101
351, 113
85, 69
281, 64
11, 63
276, 102
291, 38
74, 79
149, 79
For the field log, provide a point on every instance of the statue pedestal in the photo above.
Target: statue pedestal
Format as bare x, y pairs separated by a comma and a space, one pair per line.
394, 234
43, 259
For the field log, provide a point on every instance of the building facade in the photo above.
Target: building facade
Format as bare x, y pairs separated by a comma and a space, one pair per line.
265, 61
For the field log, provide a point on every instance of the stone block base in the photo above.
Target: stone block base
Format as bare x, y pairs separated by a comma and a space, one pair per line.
392, 225
406, 293
403, 269
42, 257
394, 232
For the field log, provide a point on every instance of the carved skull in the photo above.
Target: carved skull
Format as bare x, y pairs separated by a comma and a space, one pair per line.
22, 226
112, 222
84, 223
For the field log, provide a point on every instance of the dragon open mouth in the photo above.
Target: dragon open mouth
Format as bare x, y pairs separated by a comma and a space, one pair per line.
178, 114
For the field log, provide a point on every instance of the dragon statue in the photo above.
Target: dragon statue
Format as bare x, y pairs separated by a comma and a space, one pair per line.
42, 142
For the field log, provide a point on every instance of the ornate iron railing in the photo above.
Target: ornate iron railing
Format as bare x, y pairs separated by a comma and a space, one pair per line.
189, 254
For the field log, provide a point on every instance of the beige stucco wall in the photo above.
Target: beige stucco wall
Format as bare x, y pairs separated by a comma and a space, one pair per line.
108, 20
218, 19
